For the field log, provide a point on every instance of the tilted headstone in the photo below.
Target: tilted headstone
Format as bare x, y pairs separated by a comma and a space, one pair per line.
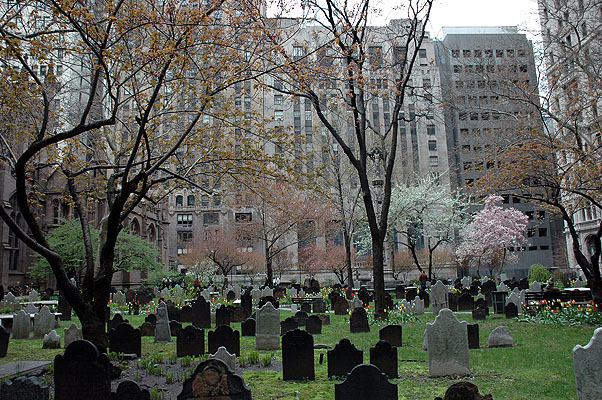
247, 327
392, 334
301, 317
225, 336
21, 325
267, 329
214, 379
25, 388
313, 325
418, 305
343, 357
365, 382
288, 324
43, 322
4, 339
82, 370
190, 342
228, 358
384, 356
162, 331
52, 340
72, 334
298, 356
500, 337
125, 339
447, 345
358, 321
439, 297
222, 315
201, 313
588, 369
130, 390
31, 309
473, 336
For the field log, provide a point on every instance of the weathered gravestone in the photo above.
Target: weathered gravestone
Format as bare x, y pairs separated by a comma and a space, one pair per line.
447, 343
301, 317
212, 379
325, 318
43, 322
25, 388
511, 310
225, 336
228, 358
466, 281
222, 316
201, 313
500, 337
588, 369
452, 301
175, 327
343, 357
466, 302
292, 292
116, 321
34, 295
175, 313
246, 303
479, 313
313, 325
473, 336
31, 309
515, 297
125, 339
288, 324
481, 302
418, 306
297, 356
256, 295
424, 296
355, 303
340, 306
4, 339
365, 382
190, 342
52, 340
535, 287
268, 299
358, 321
464, 391
384, 356
72, 334
392, 334
119, 298
230, 296
247, 327
439, 297
147, 329
400, 291
364, 296
306, 308
162, 331
267, 329
21, 325
318, 306
186, 314
130, 390
82, 370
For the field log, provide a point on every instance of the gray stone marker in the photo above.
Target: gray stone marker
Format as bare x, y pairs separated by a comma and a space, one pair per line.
72, 334
34, 295
21, 325
256, 295
535, 287
466, 281
43, 322
267, 328
355, 303
500, 337
25, 388
447, 342
223, 355
439, 297
31, 309
52, 340
588, 369
162, 331
418, 305
119, 298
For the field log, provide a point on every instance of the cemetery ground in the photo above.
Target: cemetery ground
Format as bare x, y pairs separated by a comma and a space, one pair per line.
539, 365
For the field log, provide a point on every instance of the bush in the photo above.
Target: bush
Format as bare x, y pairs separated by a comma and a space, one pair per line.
539, 273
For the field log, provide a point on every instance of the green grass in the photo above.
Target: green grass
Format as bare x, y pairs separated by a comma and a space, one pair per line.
538, 366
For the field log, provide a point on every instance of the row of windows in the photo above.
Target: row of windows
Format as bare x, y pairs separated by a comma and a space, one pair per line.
482, 84
191, 201
488, 53
458, 68
529, 248
475, 116
185, 220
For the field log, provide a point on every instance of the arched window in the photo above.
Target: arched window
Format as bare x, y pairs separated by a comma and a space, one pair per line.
150, 232
135, 227
190, 200
179, 201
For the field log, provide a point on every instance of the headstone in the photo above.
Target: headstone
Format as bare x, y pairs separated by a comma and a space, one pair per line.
318, 306
418, 306
300, 317
588, 369
267, 329
343, 357
52, 340
511, 310
464, 391
230, 295
162, 331
256, 295
301, 293
340, 306
473, 336
479, 313
175, 313
365, 382
201, 313
439, 297
384, 356
480, 296
292, 292
206, 295
466, 281
358, 321
406, 306
447, 342
267, 291
31, 309
43, 322
248, 327
4, 339
306, 308
488, 287
214, 379
400, 291
130, 390
288, 324
313, 325
64, 308
297, 356
535, 287
222, 315
186, 314
294, 308
116, 321
190, 342
223, 355
268, 299
119, 298
246, 303
325, 318
392, 334
10, 301
515, 298
72, 334
34, 295
25, 388
225, 336
503, 277
466, 302
355, 303
152, 318
175, 327
502, 288
21, 325
82, 369
452, 301
125, 339
500, 337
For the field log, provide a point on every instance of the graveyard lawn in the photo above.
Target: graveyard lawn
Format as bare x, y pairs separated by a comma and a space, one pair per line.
539, 365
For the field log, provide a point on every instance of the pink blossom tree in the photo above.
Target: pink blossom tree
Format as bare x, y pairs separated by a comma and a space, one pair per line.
492, 232
330, 258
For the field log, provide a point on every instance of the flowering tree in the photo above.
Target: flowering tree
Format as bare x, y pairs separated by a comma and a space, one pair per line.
330, 257
492, 232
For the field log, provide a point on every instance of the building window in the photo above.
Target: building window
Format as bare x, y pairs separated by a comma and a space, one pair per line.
432, 145
278, 115
541, 214
184, 220
532, 248
211, 218
544, 247
190, 200
457, 69
478, 53
430, 129
308, 115
205, 200
184, 236
278, 99
456, 53
433, 161
298, 51
488, 53
543, 232
466, 53
422, 53
243, 217
510, 53
179, 201
499, 53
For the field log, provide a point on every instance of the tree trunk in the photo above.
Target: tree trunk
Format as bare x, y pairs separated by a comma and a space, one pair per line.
347, 240
268, 268
596, 288
379, 278
94, 329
